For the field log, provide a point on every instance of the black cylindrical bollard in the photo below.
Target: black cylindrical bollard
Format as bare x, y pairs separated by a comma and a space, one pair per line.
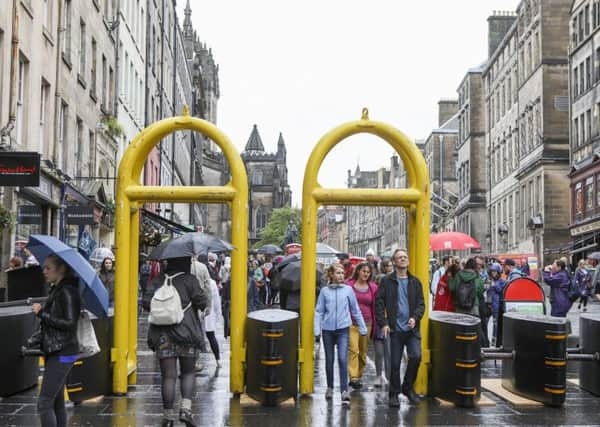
589, 340
272, 355
538, 370
17, 324
455, 357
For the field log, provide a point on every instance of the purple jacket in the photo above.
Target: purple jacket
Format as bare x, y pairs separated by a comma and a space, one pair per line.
559, 292
583, 277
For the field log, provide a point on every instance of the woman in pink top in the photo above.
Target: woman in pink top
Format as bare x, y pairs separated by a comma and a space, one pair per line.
365, 290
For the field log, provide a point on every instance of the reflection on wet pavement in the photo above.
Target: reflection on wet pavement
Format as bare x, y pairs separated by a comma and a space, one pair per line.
215, 406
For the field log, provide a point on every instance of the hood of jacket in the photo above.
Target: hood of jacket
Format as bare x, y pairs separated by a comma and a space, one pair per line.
467, 275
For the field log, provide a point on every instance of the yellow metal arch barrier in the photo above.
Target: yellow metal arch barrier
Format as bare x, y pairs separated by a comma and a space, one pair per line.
415, 198
130, 195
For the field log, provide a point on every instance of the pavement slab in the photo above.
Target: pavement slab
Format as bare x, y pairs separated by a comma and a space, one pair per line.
214, 406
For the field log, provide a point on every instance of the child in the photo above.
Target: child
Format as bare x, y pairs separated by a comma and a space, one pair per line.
335, 304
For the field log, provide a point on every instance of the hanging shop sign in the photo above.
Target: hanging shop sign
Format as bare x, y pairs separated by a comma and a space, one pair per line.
79, 215
29, 214
19, 168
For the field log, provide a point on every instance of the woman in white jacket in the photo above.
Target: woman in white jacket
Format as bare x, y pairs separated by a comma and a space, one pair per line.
210, 321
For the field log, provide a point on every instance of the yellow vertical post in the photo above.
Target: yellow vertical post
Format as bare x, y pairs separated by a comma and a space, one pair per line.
239, 280
415, 199
129, 195
134, 247
121, 323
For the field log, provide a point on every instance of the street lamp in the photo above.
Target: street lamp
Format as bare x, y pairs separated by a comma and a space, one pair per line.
536, 226
503, 232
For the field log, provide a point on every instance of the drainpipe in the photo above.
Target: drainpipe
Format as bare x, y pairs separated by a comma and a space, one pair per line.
441, 140
12, 95
116, 24
173, 103
7, 195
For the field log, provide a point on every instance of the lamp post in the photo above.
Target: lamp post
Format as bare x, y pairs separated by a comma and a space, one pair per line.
503, 232
536, 226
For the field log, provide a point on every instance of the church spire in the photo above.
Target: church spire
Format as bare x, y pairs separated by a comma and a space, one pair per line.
187, 21
254, 142
281, 151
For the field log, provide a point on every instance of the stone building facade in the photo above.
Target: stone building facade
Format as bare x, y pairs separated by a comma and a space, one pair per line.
584, 68
525, 85
267, 182
471, 213
395, 218
441, 157
366, 223
331, 229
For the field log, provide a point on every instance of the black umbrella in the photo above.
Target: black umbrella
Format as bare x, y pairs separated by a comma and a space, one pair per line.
269, 249
288, 273
190, 244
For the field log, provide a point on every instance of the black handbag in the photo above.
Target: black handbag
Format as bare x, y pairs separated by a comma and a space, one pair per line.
33, 345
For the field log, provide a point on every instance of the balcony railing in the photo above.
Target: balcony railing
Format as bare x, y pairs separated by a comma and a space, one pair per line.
587, 214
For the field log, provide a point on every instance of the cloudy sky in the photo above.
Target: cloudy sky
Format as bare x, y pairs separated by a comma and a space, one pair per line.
304, 67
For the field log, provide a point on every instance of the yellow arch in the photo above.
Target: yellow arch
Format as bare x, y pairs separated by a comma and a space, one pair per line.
415, 198
130, 195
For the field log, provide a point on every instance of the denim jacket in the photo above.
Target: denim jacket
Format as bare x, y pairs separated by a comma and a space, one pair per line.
334, 309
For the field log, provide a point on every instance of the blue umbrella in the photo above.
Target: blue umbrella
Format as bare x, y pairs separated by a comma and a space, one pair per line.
91, 289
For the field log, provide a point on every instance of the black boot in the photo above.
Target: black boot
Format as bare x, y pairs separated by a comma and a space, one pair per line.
185, 416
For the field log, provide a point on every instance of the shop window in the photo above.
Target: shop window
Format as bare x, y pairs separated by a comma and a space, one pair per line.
578, 200
589, 195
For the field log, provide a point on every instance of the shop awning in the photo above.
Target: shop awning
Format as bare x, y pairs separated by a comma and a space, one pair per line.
172, 226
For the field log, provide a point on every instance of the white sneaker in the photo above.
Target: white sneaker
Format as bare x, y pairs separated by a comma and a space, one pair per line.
345, 398
219, 365
329, 394
199, 365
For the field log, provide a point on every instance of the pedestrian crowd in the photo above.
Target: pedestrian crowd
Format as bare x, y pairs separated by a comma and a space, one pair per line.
373, 303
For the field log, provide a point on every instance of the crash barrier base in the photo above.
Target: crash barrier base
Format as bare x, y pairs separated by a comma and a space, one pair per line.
27, 282
520, 295
589, 341
537, 369
92, 377
455, 350
17, 324
271, 356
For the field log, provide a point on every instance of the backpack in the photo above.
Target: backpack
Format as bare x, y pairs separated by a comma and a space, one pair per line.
465, 294
573, 292
165, 306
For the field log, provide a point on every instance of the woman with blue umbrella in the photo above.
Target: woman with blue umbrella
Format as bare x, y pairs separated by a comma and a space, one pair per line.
58, 339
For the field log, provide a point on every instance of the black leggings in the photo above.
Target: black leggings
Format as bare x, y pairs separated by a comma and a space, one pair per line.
214, 345
168, 370
51, 403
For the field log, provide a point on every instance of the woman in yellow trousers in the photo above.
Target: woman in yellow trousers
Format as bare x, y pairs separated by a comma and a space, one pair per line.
365, 290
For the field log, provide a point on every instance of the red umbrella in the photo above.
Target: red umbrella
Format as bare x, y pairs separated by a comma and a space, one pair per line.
452, 241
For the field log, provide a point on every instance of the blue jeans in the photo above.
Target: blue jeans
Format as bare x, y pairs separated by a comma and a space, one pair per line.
339, 337
398, 340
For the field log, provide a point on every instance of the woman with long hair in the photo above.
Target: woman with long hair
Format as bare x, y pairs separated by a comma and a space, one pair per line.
364, 289
171, 347
381, 343
58, 323
335, 306
106, 272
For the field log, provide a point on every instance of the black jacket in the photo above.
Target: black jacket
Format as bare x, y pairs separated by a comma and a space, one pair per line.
189, 331
386, 302
59, 317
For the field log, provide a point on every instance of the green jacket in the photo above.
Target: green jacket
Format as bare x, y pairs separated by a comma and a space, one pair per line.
467, 276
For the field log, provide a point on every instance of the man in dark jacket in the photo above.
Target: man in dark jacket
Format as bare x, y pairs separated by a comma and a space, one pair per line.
400, 296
